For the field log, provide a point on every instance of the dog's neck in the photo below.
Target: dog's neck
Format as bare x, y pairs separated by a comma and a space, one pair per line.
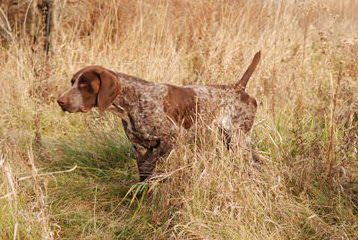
127, 97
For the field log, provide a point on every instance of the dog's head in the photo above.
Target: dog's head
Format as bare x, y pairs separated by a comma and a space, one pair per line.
92, 86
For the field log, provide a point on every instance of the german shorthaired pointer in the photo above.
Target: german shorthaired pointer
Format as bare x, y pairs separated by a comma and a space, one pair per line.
152, 114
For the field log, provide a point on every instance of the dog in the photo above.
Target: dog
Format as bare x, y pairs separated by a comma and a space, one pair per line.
152, 113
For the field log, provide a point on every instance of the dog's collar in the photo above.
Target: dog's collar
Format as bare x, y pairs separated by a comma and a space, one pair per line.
119, 107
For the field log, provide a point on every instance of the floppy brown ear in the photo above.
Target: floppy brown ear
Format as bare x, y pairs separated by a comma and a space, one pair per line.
108, 90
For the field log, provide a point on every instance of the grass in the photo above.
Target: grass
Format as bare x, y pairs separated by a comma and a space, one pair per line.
73, 176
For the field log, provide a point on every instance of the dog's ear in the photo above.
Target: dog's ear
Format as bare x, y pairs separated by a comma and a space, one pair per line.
108, 90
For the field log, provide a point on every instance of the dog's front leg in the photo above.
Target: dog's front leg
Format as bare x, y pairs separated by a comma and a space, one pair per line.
147, 162
147, 151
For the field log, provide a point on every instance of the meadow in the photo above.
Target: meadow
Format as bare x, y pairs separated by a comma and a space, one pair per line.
73, 176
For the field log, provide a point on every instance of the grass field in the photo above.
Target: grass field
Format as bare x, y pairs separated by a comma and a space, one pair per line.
73, 176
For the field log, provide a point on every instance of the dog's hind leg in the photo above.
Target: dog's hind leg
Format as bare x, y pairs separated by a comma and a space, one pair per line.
225, 137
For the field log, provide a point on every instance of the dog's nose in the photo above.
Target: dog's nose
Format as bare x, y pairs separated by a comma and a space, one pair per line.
61, 101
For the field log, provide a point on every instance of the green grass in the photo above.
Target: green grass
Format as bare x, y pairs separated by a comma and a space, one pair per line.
88, 199
101, 198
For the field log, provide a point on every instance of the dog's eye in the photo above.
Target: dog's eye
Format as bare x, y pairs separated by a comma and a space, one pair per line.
72, 81
82, 85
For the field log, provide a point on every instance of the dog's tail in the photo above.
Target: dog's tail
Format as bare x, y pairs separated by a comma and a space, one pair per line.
245, 78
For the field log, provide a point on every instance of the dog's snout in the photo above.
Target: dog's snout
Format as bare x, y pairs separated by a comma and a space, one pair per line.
61, 101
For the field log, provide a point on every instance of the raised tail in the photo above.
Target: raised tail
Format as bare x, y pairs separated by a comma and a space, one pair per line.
245, 78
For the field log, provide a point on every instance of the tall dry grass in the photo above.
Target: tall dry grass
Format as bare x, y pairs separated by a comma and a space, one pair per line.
306, 126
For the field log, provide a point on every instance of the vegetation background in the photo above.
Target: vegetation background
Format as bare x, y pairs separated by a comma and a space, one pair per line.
73, 176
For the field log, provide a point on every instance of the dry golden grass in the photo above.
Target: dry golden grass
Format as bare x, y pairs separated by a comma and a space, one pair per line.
306, 126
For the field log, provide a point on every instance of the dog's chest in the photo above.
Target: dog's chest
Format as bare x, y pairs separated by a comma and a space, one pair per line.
147, 115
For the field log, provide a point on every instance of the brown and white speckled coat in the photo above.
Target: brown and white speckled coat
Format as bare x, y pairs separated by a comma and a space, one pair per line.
153, 114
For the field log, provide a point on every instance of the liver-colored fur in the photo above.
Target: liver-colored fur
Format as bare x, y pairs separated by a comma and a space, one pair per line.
153, 113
